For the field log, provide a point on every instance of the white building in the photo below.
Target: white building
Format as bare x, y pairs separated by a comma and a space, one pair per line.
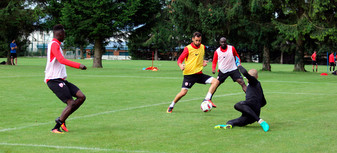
39, 41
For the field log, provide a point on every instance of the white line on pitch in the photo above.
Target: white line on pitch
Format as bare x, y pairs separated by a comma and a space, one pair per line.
112, 111
69, 147
296, 93
148, 77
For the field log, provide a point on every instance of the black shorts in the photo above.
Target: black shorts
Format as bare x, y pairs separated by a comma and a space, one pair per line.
332, 64
190, 80
235, 74
14, 55
63, 89
314, 62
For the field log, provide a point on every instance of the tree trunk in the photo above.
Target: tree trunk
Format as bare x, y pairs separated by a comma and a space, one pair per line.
299, 55
156, 54
9, 58
248, 57
82, 52
98, 54
281, 58
266, 59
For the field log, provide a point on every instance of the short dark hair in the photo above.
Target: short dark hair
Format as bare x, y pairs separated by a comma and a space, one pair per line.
58, 27
197, 34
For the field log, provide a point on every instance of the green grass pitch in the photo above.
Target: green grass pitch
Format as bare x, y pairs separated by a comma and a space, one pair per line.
125, 111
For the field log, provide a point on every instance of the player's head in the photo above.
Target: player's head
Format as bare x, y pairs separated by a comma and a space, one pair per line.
59, 33
253, 72
223, 42
196, 38
13, 41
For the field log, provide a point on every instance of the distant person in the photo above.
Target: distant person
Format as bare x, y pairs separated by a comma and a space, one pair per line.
193, 56
332, 61
14, 56
251, 107
227, 59
55, 77
314, 61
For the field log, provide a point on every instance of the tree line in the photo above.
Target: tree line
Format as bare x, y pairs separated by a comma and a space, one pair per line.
269, 28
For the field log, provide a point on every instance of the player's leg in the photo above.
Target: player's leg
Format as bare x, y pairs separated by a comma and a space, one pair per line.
241, 121
221, 78
253, 113
236, 77
181, 94
246, 109
12, 63
316, 66
72, 105
243, 84
59, 87
188, 82
214, 84
16, 61
206, 79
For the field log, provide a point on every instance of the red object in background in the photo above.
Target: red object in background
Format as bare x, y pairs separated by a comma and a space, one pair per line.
324, 74
151, 67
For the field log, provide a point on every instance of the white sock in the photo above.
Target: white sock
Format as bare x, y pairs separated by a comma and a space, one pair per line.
172, 104
208, 96
260, 121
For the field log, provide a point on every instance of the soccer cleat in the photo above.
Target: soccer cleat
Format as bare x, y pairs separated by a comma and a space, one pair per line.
213, 105
56, 131
265, 126
64, 128
169, 109
223, 126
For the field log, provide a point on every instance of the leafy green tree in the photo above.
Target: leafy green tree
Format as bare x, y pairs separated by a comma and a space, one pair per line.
99, 20
157, 35
297, 22
324, 21
18, 21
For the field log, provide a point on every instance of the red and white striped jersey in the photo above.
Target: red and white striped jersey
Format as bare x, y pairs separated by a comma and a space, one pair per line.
55, 67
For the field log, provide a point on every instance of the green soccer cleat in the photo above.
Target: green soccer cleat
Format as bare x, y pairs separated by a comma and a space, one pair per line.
223, 126
264, 126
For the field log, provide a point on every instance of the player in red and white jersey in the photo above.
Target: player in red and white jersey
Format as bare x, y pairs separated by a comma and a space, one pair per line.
55, 77
228, 60
314, 61
332, 61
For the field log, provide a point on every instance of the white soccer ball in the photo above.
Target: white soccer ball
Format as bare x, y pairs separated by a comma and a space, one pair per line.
206, 106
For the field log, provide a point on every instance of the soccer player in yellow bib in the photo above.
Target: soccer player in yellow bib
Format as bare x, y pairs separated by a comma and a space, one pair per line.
193, 56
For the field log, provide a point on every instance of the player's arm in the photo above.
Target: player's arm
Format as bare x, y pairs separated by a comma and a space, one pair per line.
181, 59
237, 57
214, 62
252, 80
55, 50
